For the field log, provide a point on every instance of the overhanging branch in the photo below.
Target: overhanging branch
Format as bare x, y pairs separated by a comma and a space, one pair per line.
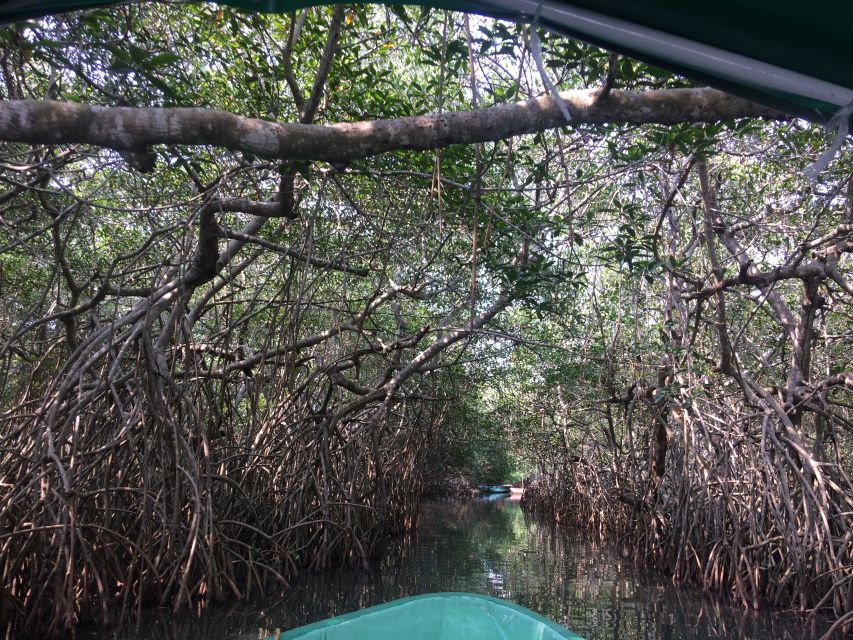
134, 128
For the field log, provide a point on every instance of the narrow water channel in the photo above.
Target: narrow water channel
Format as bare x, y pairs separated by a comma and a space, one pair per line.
490, 547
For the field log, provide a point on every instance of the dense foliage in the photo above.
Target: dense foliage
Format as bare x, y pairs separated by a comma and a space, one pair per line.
218, 369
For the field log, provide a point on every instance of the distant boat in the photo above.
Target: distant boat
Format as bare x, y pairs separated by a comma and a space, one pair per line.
494, 488
436, 616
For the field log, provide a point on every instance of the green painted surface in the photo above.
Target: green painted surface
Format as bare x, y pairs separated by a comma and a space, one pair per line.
437, 616
812, 38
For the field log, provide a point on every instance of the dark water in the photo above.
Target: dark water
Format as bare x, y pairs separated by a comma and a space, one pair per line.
489, 547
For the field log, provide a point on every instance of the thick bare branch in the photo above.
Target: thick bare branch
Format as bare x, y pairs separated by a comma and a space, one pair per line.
49, 122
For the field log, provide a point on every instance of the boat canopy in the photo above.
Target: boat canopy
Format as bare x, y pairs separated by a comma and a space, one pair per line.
788, 54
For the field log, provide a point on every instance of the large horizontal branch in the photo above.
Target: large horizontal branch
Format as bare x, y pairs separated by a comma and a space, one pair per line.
761, 280
825, 266
132, 128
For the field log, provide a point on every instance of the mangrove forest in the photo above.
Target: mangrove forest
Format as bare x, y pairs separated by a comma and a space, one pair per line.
270, 280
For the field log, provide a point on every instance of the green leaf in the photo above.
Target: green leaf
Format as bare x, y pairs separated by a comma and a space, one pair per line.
400, 11
163, 59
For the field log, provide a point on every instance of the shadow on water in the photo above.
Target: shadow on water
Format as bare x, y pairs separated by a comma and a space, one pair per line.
490, 547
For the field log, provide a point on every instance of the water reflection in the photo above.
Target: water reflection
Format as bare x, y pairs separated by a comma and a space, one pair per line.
487, 546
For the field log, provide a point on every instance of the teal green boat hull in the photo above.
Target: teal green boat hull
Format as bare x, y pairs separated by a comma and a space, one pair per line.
437, 616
